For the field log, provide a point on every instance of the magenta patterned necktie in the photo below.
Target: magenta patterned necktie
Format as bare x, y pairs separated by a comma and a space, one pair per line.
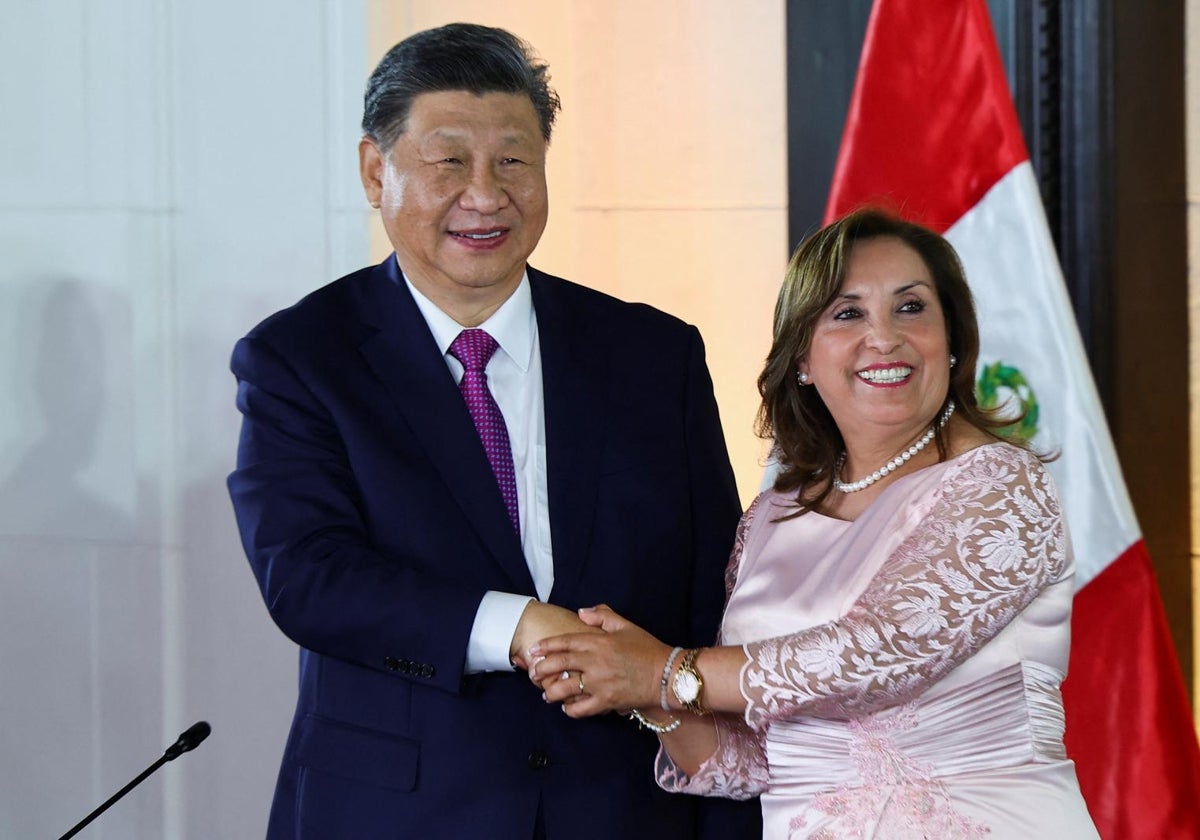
474, 348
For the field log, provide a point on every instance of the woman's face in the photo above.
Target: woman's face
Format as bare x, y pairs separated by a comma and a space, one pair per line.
880, 353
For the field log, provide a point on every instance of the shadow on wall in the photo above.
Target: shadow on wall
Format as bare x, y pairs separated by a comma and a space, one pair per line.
80, 606
44, 493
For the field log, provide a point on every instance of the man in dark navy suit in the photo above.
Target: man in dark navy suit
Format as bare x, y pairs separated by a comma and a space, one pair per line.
443, 457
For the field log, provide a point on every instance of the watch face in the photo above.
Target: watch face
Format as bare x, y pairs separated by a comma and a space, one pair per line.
687, 687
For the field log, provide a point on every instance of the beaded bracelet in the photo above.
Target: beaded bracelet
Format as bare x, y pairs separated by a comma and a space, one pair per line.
666, 676
656, 728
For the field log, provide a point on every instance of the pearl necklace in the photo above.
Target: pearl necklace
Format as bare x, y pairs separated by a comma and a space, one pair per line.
894, 464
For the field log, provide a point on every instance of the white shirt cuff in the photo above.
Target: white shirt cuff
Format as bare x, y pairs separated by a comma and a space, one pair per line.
492, 633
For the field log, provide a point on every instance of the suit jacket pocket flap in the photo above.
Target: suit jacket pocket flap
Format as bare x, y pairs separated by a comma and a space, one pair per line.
353, 752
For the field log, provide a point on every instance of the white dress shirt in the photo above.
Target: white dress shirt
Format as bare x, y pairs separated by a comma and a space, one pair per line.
514, 377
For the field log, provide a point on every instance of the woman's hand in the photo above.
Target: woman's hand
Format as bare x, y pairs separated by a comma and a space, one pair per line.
618, 670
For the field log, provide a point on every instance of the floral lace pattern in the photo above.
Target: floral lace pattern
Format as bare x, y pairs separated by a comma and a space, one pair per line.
737, 770
992, 540
739, 547
899, 798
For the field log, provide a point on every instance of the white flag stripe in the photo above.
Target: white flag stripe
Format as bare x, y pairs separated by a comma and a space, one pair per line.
1026, 320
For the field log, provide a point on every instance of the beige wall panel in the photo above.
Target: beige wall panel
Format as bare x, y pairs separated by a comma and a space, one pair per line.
684, 105
668, 167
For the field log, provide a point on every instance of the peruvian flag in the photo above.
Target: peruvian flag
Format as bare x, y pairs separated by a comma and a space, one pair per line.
932, 133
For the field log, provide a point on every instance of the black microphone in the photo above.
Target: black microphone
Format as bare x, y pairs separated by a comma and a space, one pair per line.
188, 741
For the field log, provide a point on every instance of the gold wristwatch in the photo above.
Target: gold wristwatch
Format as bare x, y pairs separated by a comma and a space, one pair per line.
688, 685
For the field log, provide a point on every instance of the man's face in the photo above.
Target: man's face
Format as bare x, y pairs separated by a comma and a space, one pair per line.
462, 193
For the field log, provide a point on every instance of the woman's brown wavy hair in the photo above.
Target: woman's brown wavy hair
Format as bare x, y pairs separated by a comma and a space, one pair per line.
807, 442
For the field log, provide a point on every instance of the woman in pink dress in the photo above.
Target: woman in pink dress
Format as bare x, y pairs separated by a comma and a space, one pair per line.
899, 601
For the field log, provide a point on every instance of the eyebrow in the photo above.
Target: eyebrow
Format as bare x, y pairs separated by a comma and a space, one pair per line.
906, 287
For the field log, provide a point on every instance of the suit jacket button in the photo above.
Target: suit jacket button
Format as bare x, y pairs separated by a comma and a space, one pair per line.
538, 759
391, 663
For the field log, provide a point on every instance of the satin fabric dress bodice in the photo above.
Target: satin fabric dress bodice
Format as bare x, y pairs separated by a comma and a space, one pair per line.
904, 668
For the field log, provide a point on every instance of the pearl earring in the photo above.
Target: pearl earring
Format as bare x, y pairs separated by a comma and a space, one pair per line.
802, 377
953, 360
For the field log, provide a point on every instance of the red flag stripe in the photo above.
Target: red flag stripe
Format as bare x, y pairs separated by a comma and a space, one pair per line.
1125, 697
931, 126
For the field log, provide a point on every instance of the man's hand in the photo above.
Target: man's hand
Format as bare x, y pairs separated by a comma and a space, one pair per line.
622, 666
541, 621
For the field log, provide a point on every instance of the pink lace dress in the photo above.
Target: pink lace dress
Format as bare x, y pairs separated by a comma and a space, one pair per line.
904, 668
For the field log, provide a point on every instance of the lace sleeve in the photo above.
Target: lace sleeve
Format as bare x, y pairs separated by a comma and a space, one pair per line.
739, 546
992, 539
737, 770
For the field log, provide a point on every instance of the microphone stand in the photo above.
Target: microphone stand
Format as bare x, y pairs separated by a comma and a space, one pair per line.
189, 740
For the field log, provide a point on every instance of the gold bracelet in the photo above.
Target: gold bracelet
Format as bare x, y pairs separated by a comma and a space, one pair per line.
656, 728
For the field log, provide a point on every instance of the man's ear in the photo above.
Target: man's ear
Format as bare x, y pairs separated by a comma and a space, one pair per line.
370, 169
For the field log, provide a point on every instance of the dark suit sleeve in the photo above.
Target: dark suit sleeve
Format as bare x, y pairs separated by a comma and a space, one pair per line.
715, 504
299, 512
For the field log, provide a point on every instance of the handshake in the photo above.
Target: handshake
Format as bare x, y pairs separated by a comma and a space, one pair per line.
592, 662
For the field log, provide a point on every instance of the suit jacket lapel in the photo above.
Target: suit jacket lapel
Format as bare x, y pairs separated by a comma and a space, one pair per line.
574, 379
402, 353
